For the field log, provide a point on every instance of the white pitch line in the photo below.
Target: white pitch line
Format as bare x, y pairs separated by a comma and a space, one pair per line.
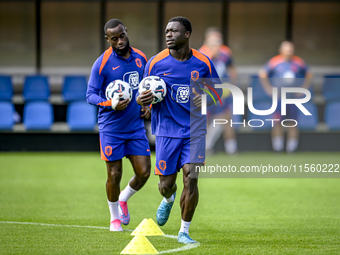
50, 225
184, 248
171, 236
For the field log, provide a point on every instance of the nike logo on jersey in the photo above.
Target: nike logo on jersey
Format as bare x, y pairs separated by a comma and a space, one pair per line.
148, 150
201, 156
165, 74
114, 68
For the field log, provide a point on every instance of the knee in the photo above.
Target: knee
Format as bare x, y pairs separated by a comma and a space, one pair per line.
144, 173
164, 188
114, 176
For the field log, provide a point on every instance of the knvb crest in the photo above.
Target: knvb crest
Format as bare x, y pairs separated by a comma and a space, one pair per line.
195, 75
180, 93
132, 78
138, 62
162, 165
108, 150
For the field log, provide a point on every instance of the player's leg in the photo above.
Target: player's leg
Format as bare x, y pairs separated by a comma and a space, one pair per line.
189, 197
141, 166
192, 157
167, 154
188, 203
292, 139
214, 132
277, 131
277, 137
138, 152
229, 135
114, 175
292, 132
167, 185
167, 188
112, 151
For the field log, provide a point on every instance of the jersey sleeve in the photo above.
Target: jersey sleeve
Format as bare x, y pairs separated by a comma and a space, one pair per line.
147, 68
304, 70
146, 72
304, 67
268, 68
227, 53
230, 61
94, 93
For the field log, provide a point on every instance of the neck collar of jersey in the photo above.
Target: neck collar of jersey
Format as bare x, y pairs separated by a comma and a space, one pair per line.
119, 56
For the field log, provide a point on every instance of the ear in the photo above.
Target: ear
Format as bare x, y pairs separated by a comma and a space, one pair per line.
187, 34
125, 29
107, 38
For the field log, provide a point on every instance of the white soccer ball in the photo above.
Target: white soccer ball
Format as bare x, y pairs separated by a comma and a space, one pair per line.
119, 87
156, 85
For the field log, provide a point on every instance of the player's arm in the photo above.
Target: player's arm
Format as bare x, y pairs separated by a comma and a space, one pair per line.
114, 103
231, 70
232, 74
93, 93
146, 97
215, 93
210, 83
197, 99
308, 80
121, 105
93, 97
146, 112
263, 77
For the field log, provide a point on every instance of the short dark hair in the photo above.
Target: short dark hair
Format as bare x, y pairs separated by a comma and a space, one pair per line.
184, 21
112, 23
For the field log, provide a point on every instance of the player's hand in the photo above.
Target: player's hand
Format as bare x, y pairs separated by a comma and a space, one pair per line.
146, 112
145, 98
197, 98
122, 104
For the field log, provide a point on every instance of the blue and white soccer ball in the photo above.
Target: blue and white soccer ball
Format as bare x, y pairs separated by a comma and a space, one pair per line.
119, 87
156, 85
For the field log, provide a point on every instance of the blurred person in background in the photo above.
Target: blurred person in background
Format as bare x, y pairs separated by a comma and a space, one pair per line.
285, 70
221, 57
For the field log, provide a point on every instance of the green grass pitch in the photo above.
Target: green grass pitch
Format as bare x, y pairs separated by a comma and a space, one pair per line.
234, 215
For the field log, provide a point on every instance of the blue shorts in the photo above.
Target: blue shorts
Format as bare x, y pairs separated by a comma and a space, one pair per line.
291, 112
173, 153
112, 147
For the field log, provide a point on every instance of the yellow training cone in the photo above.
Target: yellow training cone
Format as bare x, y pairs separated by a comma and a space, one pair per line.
147, 228
139, 245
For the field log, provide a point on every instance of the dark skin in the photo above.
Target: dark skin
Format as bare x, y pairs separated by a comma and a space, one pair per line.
141, 166
119, 41
177, 39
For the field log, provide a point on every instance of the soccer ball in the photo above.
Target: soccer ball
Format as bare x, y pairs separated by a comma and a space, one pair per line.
119, 87
156, 85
